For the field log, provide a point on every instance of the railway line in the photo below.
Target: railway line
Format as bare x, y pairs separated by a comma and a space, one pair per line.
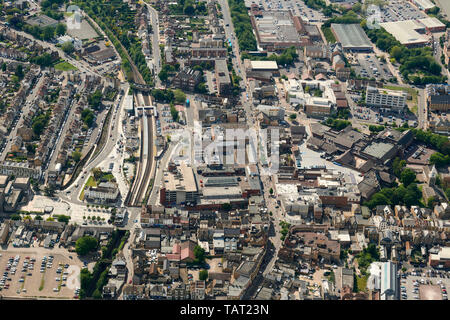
144, 168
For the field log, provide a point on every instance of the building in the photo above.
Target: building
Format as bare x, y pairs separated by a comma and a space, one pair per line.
410, 33
261, 70
352, 37
187, 79
223, 80
424, 5
384, 98
318, 107
208, 48
438, 97
276, 30
104, 192
20, 169
432, 24
389, 281
179, 186
441, 259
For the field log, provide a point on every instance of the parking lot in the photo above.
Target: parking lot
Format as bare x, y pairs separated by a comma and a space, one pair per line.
371, 67
39, 273
400, 10
424, 287
298, 7
165, 119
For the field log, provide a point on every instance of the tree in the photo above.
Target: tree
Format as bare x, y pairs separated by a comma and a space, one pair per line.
203, 274
439, 159
180, 96
15, 217
60, 29
293, 116
68, 47
271, 191
397, 166
38, 217
407, 176
19, 72
98, 173
95, 99
86, 244
199, 254
76, 156
431, 202
63, 218
49, 191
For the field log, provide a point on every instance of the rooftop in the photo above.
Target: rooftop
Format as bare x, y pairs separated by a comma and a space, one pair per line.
351, 36
406, 31
183, 179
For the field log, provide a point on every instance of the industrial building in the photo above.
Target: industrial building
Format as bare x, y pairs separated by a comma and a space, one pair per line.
410, 33
276, 30
352, 37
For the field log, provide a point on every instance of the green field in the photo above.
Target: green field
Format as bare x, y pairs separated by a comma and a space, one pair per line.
90, 183
64, 66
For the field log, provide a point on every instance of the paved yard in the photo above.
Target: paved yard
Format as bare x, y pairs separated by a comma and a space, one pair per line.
29, 281
425, 291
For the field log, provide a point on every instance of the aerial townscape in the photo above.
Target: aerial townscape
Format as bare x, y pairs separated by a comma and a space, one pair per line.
224, 150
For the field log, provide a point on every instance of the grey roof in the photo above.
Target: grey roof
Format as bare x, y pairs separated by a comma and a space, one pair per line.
351, 36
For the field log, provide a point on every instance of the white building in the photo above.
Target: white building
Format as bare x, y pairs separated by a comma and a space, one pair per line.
104, 192
384, 98
389, 282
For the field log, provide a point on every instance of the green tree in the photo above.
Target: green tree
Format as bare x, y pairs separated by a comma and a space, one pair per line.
68, 47
180, 96
407, 176
76, 156
271, 191
15, 217
19, 72
398, 166
199, 254
85, 244
203, 274
63, 218
95, 99
60, 29
431, 202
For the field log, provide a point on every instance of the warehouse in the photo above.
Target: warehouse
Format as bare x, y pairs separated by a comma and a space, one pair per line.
275, 30
352, 37
410, 33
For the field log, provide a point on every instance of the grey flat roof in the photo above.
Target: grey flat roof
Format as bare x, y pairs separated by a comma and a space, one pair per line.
351, 36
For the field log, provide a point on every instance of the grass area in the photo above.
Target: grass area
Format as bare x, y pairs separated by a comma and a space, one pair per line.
64, 66
362, 282
329, 36
90, 183
412, 104
41, 287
